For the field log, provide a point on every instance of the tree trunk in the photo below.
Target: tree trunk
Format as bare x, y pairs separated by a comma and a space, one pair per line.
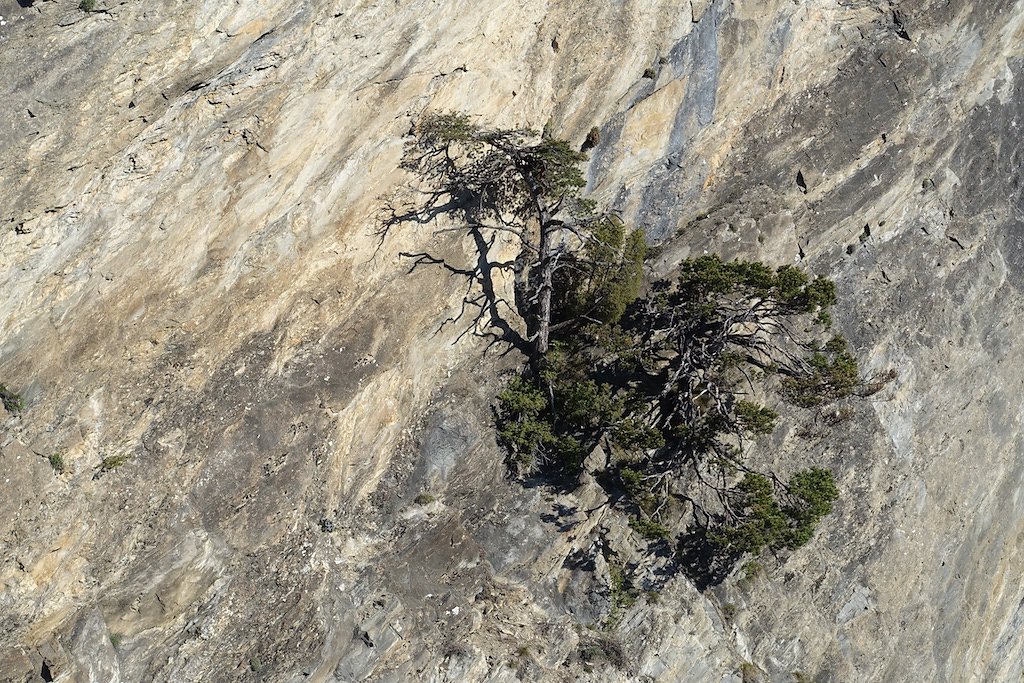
547, 268
548, 227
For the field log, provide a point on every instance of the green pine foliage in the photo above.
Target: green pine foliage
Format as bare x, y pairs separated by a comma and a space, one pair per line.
832, 373
649, 529
599, 284
523, 421
703, 281
812, 493
623, 593
766, 522
754, 418
663, 382
57, 462
112, 462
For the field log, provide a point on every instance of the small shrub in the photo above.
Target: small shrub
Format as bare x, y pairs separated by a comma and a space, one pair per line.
523, 425
754, 418
424, 499
87, 5
752, 569
115, 640
634, 435
114, 461
623, 592
649, 529
833, 374
762, 521
729, 611
593, 138
57, 462
813, 491
777, 520
649, 72
750, 673
632, 480
602, 650
255, 664
13, 402
636, 487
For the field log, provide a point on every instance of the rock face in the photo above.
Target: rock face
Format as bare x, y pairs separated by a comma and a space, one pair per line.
278, 458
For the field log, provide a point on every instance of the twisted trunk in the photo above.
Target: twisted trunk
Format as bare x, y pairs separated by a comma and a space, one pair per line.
547, 269
546, 265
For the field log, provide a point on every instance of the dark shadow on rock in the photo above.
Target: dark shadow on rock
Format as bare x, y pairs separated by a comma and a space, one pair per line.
703, 561
564, 517
580, 560
481, 300
556, 481
462, 206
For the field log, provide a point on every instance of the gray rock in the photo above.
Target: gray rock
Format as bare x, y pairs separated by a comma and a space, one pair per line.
266, 367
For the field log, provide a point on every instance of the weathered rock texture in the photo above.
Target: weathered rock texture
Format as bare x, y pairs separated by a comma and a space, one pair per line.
191, 279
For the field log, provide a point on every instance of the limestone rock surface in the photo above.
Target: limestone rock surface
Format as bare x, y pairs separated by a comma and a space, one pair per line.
278, 463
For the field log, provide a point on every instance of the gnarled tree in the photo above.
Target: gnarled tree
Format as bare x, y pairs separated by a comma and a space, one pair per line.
674, 391
514, 182
672, 384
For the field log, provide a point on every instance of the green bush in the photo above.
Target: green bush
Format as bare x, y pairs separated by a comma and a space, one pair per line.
752, 569
111, 462
587, 404
832, 374
754, 418
649, 529
605, 278
87, 5
773, 519
57, 462
634, 435
602, 650
12, 401
523, 426
760, 523
811, 495
623, 592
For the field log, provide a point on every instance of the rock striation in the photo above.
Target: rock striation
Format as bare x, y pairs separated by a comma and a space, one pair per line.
278, 461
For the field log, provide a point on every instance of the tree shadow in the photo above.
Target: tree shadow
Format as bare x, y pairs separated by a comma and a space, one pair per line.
702, 560
562, 516
580, 560
550, 478
483, 312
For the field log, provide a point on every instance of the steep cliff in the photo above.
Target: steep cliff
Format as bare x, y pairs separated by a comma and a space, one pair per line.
310, 487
